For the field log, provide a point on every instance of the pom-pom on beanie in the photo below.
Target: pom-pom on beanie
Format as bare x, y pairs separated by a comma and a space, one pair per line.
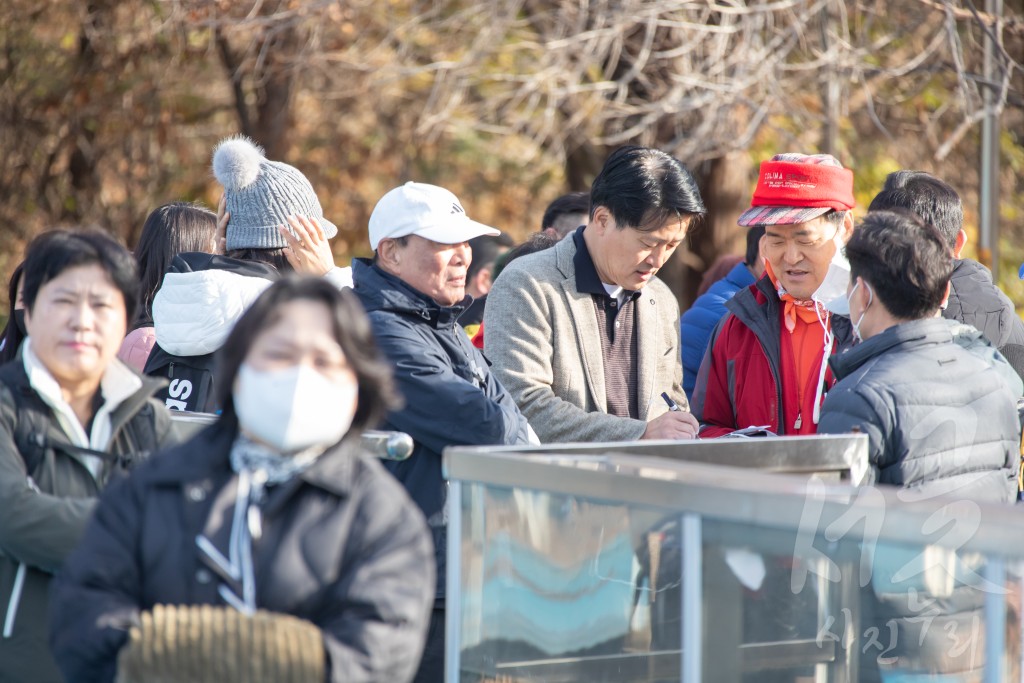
261, 194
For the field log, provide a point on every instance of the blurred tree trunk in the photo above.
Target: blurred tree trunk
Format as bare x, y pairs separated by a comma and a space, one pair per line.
582, 163
726, 192
725, 183
262, 82
84, 153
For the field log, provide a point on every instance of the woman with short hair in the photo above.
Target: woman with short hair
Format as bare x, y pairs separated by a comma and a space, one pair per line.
272, 522
72, 417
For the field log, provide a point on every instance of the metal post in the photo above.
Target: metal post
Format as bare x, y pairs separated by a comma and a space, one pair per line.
830, 92
692, 608
995, 622
453, 597
988, 242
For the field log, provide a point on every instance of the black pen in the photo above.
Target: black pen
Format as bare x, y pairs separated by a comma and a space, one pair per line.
672, 405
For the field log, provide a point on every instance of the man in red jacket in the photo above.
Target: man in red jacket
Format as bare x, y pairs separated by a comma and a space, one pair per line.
766, 365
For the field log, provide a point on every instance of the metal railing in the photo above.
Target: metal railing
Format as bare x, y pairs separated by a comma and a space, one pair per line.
716, 508
383, 444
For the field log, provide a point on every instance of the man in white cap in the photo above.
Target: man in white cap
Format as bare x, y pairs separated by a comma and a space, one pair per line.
414, 291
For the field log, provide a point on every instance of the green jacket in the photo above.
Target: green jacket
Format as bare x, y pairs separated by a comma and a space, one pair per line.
45, 510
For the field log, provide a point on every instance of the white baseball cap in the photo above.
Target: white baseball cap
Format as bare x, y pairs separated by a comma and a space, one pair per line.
429, 211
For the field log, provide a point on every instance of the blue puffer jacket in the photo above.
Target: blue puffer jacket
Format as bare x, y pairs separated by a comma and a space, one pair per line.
696, 325
451, 397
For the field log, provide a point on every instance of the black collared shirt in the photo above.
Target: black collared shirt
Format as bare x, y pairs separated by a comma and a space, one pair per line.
618, 341
587, 279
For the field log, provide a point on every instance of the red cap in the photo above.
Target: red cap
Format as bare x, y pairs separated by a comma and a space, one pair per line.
795, 188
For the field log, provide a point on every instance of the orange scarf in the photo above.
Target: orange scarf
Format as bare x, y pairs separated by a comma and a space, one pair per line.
794, 308
808, 338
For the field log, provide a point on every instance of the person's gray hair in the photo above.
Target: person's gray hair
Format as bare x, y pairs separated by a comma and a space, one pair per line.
836, 217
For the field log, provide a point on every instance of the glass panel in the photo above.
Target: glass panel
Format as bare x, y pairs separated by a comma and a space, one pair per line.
789, 581
795, 608
558, 588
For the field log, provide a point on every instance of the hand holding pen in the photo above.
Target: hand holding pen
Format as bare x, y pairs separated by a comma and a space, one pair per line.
675, 424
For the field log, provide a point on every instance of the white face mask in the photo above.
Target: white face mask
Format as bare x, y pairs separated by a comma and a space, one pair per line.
293, 409
832, 291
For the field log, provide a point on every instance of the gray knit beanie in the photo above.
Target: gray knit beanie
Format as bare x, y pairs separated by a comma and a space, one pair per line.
261, 194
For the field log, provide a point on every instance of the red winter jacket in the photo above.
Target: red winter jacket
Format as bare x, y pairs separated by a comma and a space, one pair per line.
738, 384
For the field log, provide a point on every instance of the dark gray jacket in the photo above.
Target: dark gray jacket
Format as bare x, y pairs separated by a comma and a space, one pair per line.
939, 409
974, 300
342, 546
41, 521
937, 402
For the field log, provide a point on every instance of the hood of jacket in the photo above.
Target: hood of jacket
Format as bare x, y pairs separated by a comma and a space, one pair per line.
381, 291
712, 303
739, 277
971, 339
201, 299
975, 300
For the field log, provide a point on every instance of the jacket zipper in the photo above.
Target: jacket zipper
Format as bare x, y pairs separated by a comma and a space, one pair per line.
778, 390
17, 588
19, 576
741, 314
12, 605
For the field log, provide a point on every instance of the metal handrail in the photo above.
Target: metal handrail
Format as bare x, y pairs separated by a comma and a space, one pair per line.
386, 445
741, 495
844, 455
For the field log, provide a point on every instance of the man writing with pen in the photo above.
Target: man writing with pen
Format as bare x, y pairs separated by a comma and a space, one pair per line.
584, 336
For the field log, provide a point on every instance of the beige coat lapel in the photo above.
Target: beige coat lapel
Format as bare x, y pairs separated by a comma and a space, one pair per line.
584, 321
588, 340
647, 337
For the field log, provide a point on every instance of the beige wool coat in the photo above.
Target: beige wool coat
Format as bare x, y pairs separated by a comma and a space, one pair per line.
542, 336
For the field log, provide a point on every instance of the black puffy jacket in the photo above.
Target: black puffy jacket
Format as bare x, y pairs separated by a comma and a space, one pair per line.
342, 546
939, 417
451, 397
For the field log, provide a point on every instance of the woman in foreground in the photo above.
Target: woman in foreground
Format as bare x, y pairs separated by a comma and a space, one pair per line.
315, 562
